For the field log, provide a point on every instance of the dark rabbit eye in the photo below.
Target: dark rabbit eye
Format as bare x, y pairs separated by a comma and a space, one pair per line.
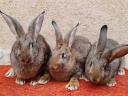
63, 55
32, 44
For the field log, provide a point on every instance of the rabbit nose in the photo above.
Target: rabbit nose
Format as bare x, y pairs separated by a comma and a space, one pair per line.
95, 80
25, 60
55, 67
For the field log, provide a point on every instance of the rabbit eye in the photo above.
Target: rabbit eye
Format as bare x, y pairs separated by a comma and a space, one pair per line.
32, 44
62, 55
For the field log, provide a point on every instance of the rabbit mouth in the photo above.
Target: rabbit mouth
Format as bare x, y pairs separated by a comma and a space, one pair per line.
25, 61
100, 80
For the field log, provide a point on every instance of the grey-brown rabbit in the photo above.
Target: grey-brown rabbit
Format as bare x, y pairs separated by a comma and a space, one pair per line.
30, 52
68, 57
105, 60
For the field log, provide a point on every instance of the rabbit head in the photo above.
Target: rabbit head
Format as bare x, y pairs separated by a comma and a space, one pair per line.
62, 53
26, 46
101, 59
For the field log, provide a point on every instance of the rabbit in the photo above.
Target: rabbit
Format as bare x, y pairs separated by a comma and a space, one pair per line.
30, 52
68, 57
105, 60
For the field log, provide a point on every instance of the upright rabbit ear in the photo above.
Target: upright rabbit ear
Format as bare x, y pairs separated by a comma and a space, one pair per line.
59, 38
14, 25
69, 38
35, 26
116, 52
102, 39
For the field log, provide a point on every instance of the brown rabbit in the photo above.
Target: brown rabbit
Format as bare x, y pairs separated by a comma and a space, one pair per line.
68, 58
30, 52
105, 60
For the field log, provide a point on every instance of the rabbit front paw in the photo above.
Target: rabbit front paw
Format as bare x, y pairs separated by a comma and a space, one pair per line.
44, 79
73, 85
10, 73
111, 83
33, 82
40, 80
20, 81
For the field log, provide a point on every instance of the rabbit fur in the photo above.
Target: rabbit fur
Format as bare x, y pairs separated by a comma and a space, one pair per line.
30, 52
105, 60
68, 57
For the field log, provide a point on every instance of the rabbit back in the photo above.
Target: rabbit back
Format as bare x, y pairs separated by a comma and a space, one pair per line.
82, 46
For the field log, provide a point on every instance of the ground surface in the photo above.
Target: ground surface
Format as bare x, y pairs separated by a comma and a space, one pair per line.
53, 88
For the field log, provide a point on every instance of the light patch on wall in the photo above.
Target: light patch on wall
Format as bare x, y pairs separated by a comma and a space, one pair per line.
5, 56
126, 61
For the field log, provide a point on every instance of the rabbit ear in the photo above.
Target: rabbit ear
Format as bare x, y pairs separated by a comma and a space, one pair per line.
69, 38
14, 25
102, 39
35, 25
116, 52
59, 38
